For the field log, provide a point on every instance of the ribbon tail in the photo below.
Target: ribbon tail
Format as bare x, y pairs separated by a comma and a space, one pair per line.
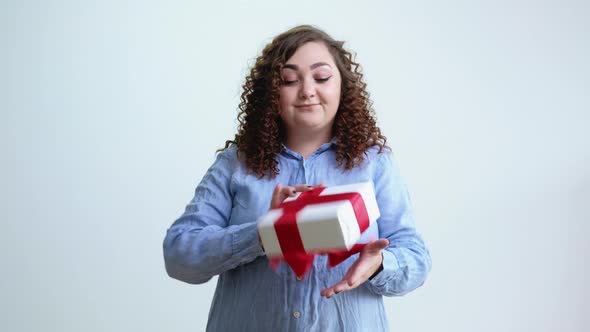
338, 257
299, 263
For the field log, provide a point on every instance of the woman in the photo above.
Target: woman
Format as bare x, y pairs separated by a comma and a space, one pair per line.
305, 119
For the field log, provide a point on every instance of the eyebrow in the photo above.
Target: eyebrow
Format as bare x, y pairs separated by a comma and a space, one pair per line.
314, 66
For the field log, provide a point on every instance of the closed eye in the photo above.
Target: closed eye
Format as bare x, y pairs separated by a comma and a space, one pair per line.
319, 80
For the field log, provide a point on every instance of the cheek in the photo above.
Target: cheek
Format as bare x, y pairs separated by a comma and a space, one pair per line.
332, 94
333, 90
336, 95
283, 99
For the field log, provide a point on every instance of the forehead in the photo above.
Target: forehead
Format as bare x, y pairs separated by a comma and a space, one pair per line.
311, 53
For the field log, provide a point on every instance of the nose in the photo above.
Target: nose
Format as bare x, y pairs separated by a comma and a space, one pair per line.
307, 90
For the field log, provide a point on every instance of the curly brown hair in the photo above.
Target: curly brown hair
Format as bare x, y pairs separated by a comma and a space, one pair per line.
261, 130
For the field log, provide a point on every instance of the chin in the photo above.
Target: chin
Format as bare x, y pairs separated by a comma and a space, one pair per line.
311, 127
308, 123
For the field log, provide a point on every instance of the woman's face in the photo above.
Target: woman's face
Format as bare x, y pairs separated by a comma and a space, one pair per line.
310, 93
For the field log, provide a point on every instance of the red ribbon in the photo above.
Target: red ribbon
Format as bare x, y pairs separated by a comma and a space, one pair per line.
290, 240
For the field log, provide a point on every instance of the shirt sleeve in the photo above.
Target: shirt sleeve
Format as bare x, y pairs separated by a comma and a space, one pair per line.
406, 262
201, 243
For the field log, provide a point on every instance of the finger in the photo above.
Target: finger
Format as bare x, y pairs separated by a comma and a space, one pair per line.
276, 199
288, 191
342, 286
278, 188
328, 292
302, 187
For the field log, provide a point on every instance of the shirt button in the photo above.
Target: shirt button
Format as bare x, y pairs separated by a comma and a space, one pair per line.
299, 278
296, 314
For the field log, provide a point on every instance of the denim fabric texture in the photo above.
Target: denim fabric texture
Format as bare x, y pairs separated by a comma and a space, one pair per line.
217, 235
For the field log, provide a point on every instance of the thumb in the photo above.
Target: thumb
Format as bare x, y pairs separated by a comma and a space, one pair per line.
275, 199
375, 247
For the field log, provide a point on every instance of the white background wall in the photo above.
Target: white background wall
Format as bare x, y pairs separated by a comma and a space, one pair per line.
111, 112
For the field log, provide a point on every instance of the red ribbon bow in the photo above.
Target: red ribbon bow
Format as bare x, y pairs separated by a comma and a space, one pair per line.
290, 240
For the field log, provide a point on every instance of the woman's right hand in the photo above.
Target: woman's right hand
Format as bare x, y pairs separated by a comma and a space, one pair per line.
281, 192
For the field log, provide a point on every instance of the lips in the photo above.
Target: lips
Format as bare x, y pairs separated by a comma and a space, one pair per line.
306, 106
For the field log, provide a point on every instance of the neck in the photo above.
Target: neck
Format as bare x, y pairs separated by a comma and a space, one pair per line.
306, 143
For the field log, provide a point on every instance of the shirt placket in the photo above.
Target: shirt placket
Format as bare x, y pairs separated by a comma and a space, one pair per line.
297, 312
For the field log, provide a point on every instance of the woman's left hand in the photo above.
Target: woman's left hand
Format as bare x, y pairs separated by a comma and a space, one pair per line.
369, 261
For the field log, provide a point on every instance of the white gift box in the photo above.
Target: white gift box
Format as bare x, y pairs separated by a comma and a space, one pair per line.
322, 226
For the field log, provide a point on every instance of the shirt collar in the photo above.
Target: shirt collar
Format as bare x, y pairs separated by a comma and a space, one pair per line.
320, 150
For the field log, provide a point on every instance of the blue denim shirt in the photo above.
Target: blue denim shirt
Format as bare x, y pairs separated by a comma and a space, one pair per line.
217, 235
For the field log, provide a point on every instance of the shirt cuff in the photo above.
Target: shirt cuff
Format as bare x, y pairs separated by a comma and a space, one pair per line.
245, 242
